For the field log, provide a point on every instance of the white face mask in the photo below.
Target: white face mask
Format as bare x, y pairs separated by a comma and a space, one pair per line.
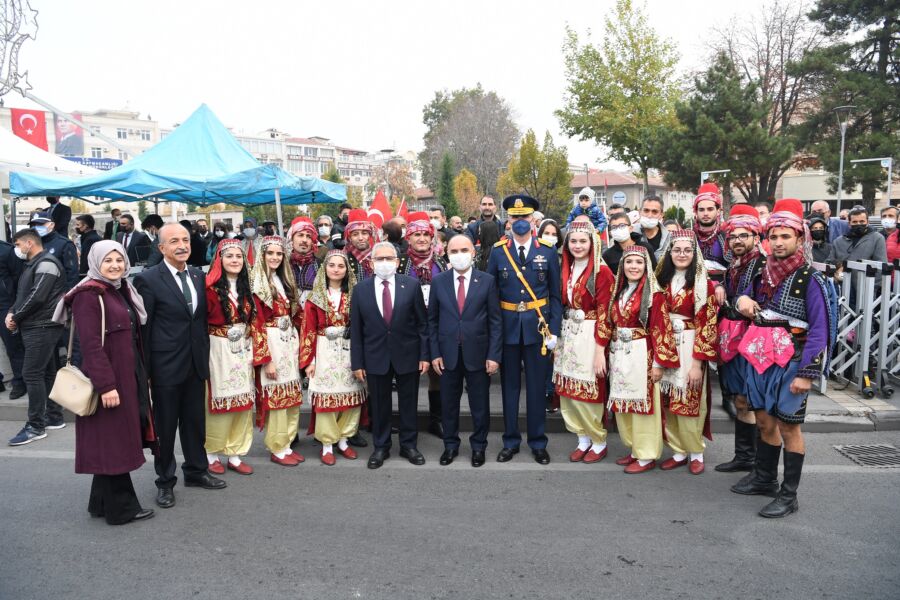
550, 239
20, 253
249, 232
621, 234
386, 268
649, 223
402, 232
461, 261
888, 223
41, 230
436, 223
220, 233
324, 230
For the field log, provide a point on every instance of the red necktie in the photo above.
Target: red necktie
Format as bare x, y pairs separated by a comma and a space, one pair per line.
461, 293
387, 309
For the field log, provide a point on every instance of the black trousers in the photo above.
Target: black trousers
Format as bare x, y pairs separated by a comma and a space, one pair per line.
113, 497
180, 407
478, 383
39, 371
14, 350
380, 408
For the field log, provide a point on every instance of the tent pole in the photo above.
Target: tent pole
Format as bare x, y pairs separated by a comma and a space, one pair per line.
3, 217
278, 211
12, 216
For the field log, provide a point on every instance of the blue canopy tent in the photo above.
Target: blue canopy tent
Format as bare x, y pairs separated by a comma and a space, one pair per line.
200, 163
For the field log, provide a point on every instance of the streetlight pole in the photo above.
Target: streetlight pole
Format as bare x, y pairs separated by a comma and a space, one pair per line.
842, 111
704, 175
887, 162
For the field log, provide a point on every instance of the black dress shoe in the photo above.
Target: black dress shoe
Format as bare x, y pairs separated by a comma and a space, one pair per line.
541, 456
358, 440
206, 481
165, 498
448, 456
435, 429
477, 458
2, 387
412, 455
506, 454
146, 513
377, 459
17, 392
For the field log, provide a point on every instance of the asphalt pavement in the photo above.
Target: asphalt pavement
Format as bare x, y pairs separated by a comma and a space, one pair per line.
514, 530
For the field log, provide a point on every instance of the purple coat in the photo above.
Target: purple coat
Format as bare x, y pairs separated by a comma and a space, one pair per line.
109, 442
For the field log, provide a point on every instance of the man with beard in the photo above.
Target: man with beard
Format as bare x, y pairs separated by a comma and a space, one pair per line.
861, 242
456, 224
710, 237
742, 233
423, 262
337, 231
303, 237
488, 214
790, 334
359, 236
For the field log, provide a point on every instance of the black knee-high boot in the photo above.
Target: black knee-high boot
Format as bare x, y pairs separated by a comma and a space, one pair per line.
786, 501
744, 449
763, 479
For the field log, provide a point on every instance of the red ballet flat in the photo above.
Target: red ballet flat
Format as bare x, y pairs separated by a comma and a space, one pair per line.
328, 458
243, 468
671, 463
348, 453
624, 461
297, 456
697, 467
577, 455
287, 461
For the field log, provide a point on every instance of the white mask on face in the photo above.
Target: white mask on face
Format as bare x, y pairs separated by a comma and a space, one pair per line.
249, 232
621, 234
324, 230
436, 223
649, 223
550, 239
888, 223
21, 254
386, 268
220, 233
461, 261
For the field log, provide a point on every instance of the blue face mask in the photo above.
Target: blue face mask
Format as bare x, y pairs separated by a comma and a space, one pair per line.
521, 227
41, 230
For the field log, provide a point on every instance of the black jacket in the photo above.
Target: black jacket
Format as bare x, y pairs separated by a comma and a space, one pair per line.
65, 251
87, 240
138, 248
613, 254
11, 267
61, 215
41, 285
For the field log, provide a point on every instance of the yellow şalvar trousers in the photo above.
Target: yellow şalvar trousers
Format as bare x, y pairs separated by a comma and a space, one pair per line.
229, 433
643, 433
331, 427
281, 428
685, 434
583, 418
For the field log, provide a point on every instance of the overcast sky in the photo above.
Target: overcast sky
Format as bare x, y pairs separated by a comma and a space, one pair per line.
357, 72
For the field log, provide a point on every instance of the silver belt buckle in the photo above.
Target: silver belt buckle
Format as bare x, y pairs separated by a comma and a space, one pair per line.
333, 333
235, 333
677, 326
284, 323
625, 334
576, 315
520, 307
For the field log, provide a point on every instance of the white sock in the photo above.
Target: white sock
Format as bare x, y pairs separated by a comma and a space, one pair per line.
327, 449
211, 458
598, 448
280, 455
697, 456
644, 462
678, 456
342, 444
584, 442
234, 460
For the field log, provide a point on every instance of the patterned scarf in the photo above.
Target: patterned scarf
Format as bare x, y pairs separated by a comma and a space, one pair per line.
363, 257
304, 269
776, 270
706, 237
422, 262
737, 265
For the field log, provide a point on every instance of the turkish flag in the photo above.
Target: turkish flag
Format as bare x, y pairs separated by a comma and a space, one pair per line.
380, 211
30, 125
403, 210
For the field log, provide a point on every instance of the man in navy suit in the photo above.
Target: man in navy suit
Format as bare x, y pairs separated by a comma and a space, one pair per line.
525, 337
465, 330
177, 351
389, 339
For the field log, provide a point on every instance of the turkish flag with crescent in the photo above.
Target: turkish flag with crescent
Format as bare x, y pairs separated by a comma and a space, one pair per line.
30, 125
380, 211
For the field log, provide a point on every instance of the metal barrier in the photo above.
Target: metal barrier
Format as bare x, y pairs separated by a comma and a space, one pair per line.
866, 353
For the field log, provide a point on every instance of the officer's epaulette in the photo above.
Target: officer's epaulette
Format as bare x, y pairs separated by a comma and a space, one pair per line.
502, 242
545, 242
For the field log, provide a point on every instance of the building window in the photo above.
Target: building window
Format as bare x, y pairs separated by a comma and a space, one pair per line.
310, 151
122, 155
95, 129
121, 133
96, 152
327, 152
145, 135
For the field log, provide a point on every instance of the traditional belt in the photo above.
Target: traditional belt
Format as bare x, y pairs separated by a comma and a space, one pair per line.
797, 331
332, 333
578, 315
218, 330
678, 325
282, 323
629, 334
523, 306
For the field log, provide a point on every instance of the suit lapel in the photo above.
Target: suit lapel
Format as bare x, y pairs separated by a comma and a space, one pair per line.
474, 286
173, 285
399, 288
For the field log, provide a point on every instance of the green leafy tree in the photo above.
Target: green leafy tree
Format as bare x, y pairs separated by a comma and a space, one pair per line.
621, 93
676, 213
722, 126
142, 210
542, 173
859, 67
444, 192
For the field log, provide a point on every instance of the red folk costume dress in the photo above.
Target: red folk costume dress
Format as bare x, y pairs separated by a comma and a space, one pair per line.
642, 338
586, 291
231, 390
335, 394
276, 340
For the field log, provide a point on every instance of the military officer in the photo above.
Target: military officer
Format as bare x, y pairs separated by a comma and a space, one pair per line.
527, 272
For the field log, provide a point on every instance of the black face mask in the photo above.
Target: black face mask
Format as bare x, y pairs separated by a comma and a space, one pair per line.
344, 219
858, 230
818, 235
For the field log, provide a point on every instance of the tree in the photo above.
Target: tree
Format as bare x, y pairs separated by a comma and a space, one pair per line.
542, 173
860, 67
622, 93
445, 190
468, 196
676, 213
78, 206
396, 175
723, 126
142, 210
475, 127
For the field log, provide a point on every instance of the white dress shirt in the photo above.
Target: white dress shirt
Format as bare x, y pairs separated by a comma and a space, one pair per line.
379, 289
466, 281
516, 245
190, 282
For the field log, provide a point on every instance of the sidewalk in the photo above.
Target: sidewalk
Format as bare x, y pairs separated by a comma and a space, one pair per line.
837, 411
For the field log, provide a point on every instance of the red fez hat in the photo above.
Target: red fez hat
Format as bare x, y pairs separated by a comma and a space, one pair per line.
743, 209
300, 219
416, 216
357, 215
708, 188
791, 205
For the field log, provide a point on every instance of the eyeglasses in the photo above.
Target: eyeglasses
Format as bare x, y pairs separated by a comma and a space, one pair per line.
682, 251
740, 236
384, 258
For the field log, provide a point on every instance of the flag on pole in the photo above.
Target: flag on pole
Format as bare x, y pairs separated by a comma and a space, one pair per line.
380, 211
403, 210
30, 125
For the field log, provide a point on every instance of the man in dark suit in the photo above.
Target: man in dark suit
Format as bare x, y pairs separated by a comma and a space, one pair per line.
136, 243
84, 226
177, 350
466, 335
389, 339
60, 214
111, 229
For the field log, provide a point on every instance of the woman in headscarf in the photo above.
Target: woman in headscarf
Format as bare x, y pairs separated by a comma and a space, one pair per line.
642, 346
336, 395
691, 302
579, 368
276, 350
231, 390
109, 444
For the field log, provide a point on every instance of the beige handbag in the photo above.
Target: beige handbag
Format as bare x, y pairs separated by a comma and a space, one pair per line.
72, 389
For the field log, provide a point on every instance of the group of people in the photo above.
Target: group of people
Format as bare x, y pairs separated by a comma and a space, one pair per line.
632, 333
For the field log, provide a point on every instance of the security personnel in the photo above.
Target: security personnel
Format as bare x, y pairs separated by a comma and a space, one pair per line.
527, 272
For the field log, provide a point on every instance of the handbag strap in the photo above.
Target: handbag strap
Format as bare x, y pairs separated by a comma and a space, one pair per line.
72, 330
